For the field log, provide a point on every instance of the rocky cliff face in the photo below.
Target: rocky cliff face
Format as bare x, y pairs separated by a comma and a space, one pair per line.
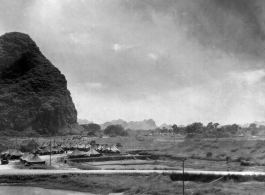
33, 93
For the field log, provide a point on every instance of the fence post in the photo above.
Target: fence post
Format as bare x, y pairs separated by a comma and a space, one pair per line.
183, 185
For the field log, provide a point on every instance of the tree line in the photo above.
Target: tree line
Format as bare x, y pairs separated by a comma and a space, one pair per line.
93, 129
213, 128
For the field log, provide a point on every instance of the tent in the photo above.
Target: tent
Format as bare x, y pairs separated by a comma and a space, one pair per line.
2, 147
73, 144
88, 146
28, 157
113, 148
54, 144
81, 146
43, 151
93, 152
24, 156
48, 150
6, 152
65, 145
16, 154
44, 144
77, 154
35, 159
59, 149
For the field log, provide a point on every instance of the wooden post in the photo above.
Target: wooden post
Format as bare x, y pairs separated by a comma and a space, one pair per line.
50, 150
183, 185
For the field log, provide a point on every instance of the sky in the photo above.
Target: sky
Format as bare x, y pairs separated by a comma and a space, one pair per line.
175, 61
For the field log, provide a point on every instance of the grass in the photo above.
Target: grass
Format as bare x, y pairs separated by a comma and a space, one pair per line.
236, 148
100, 184
154, 184
82, 166
19, 165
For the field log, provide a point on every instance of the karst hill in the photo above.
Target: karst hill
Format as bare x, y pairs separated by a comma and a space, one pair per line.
33, 92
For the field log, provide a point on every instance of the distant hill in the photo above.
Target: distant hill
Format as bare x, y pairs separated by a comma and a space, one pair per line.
134, 125
83, 121
258, 123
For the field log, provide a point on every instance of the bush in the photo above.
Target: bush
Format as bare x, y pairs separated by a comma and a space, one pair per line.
116, 130
209, 154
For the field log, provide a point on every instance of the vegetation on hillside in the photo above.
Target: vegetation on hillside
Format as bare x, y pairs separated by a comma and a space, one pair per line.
33, 93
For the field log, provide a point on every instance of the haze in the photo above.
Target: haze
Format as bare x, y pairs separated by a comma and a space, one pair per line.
175, 61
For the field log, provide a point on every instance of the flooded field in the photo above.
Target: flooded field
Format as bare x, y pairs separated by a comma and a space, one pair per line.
129, 165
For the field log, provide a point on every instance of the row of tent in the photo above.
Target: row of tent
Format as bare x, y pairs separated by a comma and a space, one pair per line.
47, 150
78, 154
24, 157
12, 153
56, 147
102, 148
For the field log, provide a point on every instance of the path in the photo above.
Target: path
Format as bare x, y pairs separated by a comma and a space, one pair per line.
44, 172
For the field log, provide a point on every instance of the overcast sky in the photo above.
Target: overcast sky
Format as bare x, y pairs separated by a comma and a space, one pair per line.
175, 61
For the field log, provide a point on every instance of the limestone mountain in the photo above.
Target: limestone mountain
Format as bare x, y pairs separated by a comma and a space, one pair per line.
33, 92
83, 121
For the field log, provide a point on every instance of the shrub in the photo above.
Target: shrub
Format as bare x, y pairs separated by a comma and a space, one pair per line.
209, 154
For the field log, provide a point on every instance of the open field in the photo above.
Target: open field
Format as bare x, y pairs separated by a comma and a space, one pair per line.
202, 154
235, 149
156, 184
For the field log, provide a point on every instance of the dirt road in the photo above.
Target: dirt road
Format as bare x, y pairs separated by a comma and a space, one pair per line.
44, 172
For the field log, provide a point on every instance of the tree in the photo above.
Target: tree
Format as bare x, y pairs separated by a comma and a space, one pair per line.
216, 125
175, 129
92, 129
115, 130
196, 127
234, 128
209, 127
252, 126
254, 132
189, 129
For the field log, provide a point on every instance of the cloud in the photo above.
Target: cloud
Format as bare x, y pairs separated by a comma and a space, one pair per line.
152, 56
117, 47
249, 78
208, 54
93, 85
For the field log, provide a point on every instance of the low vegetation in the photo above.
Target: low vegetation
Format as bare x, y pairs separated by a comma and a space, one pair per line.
222, 149
82, 166
154, 184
